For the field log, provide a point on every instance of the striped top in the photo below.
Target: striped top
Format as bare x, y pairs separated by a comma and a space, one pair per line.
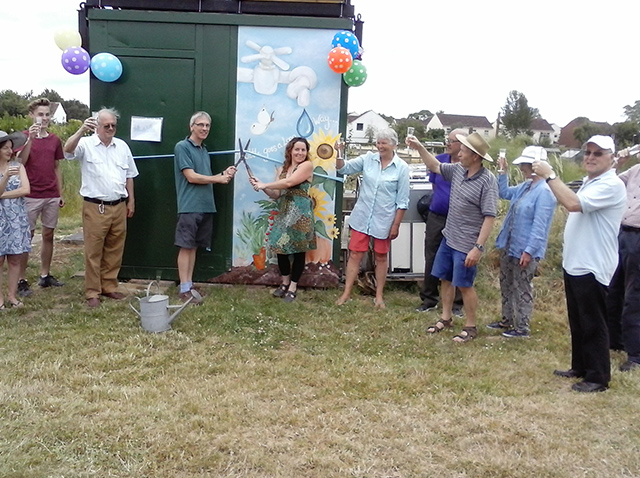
471, 200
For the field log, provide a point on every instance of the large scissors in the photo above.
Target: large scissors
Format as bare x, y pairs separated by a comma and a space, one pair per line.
243, 156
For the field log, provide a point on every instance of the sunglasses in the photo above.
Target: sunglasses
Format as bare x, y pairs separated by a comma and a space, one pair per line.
597, 154
109, 126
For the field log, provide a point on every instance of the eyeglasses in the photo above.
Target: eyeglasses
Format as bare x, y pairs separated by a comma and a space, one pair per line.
452, 142
109, 126
202, 125
597, 154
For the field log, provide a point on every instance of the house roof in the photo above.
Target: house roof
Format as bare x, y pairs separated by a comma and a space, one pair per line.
464, 120
566, 135
540, 124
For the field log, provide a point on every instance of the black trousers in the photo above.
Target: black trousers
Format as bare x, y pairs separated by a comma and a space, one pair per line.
296, 270
623, 298
430, 293
589, 334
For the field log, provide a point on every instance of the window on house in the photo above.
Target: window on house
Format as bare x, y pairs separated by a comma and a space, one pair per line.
359, 126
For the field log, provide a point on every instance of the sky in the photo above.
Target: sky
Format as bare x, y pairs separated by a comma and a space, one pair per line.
569, 57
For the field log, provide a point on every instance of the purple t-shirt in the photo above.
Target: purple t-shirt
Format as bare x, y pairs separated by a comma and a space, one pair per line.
441, 189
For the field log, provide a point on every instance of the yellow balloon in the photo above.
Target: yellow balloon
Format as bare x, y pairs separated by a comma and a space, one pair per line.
67, 38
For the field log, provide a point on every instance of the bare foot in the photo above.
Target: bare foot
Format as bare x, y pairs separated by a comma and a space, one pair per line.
342, 300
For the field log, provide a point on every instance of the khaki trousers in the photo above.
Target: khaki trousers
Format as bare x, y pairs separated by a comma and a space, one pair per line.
104, 236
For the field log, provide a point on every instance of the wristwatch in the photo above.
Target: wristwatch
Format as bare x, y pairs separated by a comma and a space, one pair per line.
479, 247
551, 177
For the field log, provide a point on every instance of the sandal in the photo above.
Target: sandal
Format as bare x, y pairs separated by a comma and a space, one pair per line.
280, 291
289, 296
2, 307
467, 334
16, 304
439, 326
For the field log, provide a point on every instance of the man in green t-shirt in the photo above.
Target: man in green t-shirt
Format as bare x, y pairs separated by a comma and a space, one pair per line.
196, 205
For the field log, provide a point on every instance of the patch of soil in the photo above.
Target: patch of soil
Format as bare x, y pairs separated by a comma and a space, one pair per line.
320, 276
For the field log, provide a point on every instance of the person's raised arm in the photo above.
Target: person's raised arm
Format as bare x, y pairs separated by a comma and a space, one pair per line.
560, 190
429, 159
90, 124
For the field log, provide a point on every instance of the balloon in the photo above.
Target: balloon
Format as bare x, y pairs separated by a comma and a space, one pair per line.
106, 67
76, 60
67, 38
356, 75
347, 40
340, 59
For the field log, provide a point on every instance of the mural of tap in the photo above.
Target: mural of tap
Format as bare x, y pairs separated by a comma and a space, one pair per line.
272, 70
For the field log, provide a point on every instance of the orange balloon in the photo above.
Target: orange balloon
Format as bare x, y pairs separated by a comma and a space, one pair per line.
340, 59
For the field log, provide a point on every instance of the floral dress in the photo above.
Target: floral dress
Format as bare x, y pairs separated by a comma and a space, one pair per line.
15, 237
293, 228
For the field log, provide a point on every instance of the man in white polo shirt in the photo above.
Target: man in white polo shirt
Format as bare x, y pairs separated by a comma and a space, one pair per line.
107, 169
589, 259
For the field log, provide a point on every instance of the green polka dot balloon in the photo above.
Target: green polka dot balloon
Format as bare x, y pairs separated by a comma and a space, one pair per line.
356, 75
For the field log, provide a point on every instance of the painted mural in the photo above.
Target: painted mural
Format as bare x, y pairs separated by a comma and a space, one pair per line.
285, 89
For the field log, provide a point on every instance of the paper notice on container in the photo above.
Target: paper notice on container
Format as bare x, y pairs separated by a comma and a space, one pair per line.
146, 129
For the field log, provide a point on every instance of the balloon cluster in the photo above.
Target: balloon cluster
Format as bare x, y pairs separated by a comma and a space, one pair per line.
344, 58
76, 60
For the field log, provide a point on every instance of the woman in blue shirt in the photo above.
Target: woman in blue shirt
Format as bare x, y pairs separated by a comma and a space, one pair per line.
522, 240
378, 212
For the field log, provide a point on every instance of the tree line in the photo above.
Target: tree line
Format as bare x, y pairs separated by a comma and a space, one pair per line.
15, 104
516, 118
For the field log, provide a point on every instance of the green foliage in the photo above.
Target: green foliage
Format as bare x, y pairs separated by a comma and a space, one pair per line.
64, 131
15, 104
583, 132
517, 115
401, 128
10, 124
436, 134
329, 185
253, 227
421, 115
625, 133
633, 112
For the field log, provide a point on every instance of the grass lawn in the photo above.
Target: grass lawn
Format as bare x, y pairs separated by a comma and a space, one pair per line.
248, 386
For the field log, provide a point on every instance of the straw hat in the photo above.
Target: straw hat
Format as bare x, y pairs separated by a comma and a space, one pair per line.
477, 144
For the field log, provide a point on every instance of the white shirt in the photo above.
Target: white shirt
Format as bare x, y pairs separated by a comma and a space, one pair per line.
104, 169
591, 236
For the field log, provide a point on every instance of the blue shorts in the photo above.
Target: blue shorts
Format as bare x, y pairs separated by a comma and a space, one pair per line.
449, 265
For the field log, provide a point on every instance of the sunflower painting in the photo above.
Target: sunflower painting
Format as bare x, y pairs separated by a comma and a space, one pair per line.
323, 192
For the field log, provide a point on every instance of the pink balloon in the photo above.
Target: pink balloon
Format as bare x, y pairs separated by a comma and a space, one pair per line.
76, 60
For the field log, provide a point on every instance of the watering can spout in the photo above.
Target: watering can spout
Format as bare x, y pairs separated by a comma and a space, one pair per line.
195, 298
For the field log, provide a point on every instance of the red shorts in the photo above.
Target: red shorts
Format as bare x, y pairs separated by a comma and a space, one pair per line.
359, 242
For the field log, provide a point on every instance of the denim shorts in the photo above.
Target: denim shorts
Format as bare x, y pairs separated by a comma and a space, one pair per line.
449, 265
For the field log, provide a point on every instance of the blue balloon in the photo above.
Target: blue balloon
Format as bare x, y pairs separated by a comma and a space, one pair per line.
106, 67
347, 40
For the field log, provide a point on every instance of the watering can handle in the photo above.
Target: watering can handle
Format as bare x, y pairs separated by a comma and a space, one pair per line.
149, 287
133, 308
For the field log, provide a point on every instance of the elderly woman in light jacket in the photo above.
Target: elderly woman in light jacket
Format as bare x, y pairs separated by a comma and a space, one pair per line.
522, 240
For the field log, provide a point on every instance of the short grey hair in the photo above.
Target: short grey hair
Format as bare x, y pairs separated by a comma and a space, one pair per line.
109, 111
388, 134
459, 131
199, 114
